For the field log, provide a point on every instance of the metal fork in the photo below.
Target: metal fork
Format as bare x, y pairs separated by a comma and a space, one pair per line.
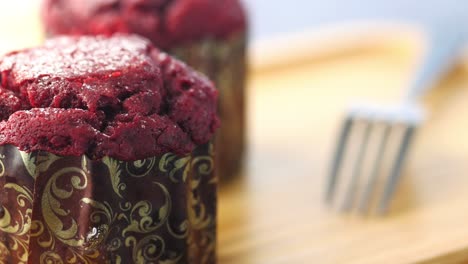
445, 43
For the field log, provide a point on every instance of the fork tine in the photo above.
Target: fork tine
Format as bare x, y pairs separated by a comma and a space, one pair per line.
351, 192
340, 148
370, 187
396, 170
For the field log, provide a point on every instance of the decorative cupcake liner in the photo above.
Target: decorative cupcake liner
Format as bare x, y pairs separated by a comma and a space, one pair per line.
76, 210
224, 61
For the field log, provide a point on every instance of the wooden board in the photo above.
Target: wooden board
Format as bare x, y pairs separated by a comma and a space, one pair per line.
297, 94
275, 212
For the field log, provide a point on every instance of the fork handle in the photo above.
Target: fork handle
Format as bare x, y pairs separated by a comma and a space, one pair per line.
444, 46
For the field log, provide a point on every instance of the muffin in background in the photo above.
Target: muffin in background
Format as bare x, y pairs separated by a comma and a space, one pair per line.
209, 35
105, 155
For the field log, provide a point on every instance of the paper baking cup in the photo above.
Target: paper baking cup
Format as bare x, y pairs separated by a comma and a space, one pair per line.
77, 210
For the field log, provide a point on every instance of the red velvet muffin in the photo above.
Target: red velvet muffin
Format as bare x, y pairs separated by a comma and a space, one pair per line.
105, 155
210, 35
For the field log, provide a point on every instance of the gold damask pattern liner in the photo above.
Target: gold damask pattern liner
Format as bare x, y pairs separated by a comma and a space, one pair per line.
224, 61
75, 210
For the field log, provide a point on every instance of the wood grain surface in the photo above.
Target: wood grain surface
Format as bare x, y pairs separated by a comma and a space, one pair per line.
274, 212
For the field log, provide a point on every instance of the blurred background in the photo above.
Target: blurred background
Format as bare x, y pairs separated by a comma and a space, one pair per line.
271, 18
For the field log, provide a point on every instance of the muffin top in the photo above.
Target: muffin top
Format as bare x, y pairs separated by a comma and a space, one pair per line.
165, 22
104, 96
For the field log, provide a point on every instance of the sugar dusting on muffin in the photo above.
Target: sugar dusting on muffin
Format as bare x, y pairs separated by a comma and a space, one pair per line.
103, 96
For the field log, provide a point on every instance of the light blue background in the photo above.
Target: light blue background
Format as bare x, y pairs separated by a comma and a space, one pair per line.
272, 17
